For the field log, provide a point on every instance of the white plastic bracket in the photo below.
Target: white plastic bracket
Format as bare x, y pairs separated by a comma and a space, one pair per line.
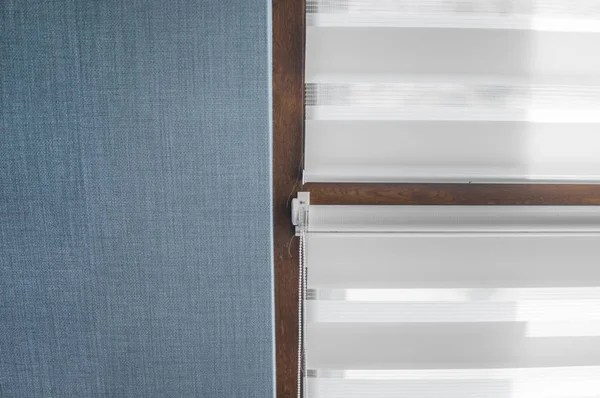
300, 210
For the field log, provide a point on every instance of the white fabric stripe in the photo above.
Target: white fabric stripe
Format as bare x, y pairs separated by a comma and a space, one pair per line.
545, 306
459, 383
464, 151
507, 8
454, 92
442, 346
447, 175
453, 235
565, 16
447, 260
561, 82
451, 52
575, 387
584, 372
397, 20
415, 113
495, 295
546, 311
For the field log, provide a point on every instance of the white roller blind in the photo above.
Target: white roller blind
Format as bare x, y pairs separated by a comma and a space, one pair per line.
453, 90
453, 302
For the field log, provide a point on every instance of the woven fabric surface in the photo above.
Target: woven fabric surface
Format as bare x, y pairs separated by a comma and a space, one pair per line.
135, 199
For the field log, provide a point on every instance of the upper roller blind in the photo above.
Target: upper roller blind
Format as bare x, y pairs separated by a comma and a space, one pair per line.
453, 302
449, 90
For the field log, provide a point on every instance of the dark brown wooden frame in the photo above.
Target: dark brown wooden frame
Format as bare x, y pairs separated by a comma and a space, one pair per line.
288, 125
288, 129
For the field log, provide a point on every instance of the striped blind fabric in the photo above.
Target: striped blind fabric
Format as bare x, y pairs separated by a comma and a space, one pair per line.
453, 302
452, 90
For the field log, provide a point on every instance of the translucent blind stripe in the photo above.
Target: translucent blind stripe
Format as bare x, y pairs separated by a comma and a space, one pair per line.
530, 15
516, 54
490, 383
453, 151
583, 372
396, 20
556, 311
436, 261
454, 100
447, 345
507, 8
455, 305
502, 295
467, 94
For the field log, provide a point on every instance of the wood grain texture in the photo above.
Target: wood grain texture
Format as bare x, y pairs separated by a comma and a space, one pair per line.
288, 133
453, 194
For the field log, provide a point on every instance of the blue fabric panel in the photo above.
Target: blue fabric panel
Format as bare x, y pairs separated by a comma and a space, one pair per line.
135, 199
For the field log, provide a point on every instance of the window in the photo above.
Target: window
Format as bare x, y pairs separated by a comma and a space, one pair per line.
338, 164
452, 91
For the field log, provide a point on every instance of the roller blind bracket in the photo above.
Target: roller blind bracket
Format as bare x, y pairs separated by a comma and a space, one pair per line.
300, 210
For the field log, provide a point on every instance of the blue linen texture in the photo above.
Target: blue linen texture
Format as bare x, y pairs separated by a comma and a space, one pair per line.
135, 199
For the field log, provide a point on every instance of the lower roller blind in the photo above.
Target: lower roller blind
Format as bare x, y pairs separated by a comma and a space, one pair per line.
452, 91
453, 301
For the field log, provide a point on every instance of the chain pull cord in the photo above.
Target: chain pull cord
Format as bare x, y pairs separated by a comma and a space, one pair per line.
301, 301
304, 274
